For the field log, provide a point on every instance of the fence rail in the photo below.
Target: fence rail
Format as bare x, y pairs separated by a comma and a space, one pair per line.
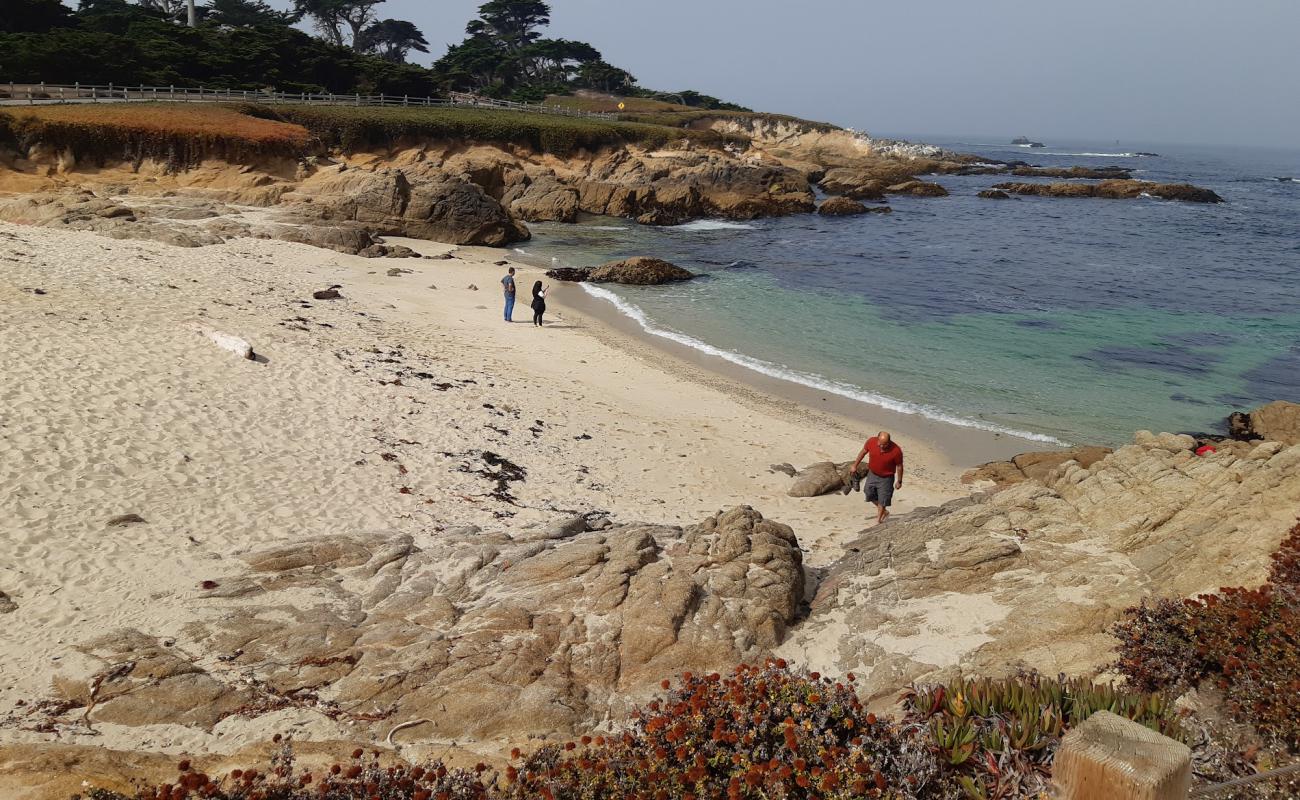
43, 93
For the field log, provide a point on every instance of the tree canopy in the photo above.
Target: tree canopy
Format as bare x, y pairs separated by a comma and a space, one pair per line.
248, 44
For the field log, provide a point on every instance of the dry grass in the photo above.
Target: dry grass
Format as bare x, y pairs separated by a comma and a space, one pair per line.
176, 133
199, 121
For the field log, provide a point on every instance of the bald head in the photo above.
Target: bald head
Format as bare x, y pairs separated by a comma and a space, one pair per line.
883, 437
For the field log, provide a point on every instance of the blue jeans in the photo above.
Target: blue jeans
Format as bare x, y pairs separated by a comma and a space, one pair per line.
510, 306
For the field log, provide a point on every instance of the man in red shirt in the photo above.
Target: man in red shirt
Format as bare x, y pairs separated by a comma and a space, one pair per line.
884, 471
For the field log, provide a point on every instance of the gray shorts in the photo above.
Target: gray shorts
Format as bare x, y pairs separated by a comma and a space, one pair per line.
879, 489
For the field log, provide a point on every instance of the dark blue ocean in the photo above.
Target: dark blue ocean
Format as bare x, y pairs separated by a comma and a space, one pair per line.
1071, 320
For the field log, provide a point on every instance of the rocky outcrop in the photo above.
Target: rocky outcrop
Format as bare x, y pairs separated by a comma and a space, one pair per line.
1032, 576
486, 634
195, 224
639, 271
1102, 173
544, 200
1116, 189
437, 207
918, 189
1033, 466
994, 194
841, 207
7, 604
571, 274
1278, 421
857, 184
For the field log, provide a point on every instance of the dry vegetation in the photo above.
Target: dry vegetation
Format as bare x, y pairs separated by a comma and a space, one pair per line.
177, 133
182, 134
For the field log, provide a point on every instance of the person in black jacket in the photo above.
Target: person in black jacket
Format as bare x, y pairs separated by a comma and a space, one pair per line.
539, 302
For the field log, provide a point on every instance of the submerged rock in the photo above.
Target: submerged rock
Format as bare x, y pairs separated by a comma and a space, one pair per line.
994, 194
639, 271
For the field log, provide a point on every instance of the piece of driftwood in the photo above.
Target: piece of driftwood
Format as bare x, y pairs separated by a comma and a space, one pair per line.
226, 341
1109, 757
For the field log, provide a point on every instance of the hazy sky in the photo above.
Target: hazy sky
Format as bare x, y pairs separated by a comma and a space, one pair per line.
1135, 70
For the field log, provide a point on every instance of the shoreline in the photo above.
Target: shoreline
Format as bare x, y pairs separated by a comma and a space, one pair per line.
961, 446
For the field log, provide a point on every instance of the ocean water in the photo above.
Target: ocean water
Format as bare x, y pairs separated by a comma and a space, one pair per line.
1067, 320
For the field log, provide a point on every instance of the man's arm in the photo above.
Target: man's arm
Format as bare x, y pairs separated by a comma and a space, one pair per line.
898, 484
861, 456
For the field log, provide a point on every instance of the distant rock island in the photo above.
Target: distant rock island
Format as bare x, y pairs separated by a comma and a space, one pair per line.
1024, 141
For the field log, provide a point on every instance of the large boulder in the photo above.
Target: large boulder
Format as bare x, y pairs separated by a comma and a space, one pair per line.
821, 478
1032, 576
841, 207
485, 634
436, 206
1278, 421
918, 189
639, 271
545, 199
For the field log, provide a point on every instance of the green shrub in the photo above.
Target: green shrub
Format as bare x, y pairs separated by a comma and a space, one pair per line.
997, 738
352, 128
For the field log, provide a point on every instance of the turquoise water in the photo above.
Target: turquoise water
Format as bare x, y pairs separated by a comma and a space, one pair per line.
1067, 320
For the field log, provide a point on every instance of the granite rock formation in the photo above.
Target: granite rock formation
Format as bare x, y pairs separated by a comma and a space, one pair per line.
639, 271
1116, 190
1032, 575
486, 634
1278, 421
1033, 466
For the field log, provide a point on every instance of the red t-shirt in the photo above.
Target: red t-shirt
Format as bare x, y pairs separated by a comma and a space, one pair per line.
883, 462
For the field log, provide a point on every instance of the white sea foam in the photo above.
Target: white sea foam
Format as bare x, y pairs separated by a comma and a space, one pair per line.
604, 227
802, 378
712, 225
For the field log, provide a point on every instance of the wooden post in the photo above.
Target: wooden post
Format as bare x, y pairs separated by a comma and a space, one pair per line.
1109, 757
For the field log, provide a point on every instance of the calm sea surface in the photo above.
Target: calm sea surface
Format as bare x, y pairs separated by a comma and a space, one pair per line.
1069, 320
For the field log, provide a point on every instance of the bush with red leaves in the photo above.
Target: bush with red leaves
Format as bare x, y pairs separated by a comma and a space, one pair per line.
1245, 641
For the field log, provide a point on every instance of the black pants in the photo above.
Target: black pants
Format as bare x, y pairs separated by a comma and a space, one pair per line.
538, 311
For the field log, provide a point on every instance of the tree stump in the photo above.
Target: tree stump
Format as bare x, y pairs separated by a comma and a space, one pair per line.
1109, 757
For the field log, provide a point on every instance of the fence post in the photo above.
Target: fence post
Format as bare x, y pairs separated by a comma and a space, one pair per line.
1109, 757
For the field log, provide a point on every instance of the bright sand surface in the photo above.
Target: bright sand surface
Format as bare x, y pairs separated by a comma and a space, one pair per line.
112, 403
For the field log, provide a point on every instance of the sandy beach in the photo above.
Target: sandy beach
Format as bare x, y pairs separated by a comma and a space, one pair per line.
369, 412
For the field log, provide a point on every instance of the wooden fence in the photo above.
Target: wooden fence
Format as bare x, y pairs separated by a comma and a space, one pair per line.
43, 93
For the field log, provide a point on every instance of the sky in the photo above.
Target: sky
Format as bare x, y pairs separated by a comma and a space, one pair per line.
1156, 71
